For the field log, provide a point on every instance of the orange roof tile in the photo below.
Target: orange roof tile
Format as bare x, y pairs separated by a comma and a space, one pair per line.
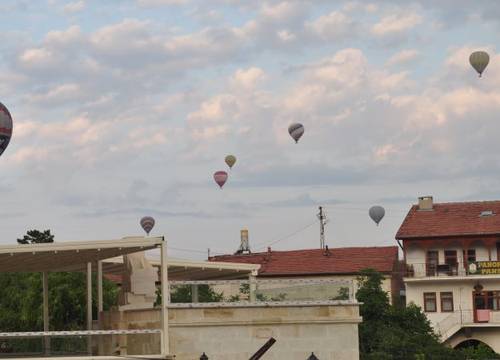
317, 261
451, 219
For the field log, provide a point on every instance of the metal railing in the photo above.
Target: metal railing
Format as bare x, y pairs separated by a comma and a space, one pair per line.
420, 270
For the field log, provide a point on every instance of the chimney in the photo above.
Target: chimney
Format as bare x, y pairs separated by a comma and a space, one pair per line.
425, 203
244, 244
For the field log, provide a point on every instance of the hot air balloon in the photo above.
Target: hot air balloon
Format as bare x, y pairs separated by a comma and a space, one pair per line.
147, 223
5, 128
376, 213
296, 130
230, 160
479, 60
220, 178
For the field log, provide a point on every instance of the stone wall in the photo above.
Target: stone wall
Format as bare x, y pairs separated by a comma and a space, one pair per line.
236, 332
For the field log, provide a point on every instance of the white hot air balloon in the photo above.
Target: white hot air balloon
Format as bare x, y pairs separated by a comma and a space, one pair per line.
376, 213
296, 131
147, 223
479, 60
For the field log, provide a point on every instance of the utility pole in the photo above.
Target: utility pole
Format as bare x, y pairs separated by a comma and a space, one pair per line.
322, 223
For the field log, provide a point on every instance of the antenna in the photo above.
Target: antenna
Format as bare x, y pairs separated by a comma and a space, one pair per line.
322, 222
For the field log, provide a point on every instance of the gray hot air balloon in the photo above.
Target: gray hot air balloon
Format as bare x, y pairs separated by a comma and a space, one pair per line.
376, 213
479, 60
296, 130
147, 223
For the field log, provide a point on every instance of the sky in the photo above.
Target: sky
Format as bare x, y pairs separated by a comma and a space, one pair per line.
126, 108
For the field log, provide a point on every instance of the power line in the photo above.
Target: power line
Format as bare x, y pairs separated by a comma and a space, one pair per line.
289, 235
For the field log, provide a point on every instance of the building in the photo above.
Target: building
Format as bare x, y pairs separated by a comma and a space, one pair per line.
452, 256
139, 329
338, 264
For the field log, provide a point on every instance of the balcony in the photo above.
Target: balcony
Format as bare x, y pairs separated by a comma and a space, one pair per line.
478, 269
421, 270
466, 318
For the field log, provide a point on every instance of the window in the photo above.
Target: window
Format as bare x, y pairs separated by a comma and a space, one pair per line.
432, 261
430, 302
446, 302
450, 257
469, 256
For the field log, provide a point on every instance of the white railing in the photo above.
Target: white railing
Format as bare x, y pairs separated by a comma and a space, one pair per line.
455, 320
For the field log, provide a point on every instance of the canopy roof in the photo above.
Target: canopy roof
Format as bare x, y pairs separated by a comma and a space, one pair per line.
182, 269
69, 256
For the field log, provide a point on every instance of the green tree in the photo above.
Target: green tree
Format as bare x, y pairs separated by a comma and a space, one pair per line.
394, 332
182, 294
21, 307
36, 237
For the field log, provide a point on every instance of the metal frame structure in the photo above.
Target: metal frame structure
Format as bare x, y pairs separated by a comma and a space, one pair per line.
79, 256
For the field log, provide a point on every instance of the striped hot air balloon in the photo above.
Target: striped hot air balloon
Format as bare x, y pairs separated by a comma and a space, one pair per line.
220, 178
5, 128
147, 223
479, 60
296, 130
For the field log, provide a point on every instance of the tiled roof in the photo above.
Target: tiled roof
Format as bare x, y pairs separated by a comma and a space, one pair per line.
451, 219
319, 262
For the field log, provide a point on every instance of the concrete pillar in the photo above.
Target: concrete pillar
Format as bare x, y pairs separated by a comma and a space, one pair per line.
46, 327
165, 299
194, 293
253, 287
100, 306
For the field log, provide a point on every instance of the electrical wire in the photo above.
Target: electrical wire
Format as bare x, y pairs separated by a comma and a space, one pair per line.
288, 236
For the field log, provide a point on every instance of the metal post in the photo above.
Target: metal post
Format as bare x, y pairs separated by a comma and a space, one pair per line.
203, 357
89, 306
46, 327
100, 305
312, 357
165, 349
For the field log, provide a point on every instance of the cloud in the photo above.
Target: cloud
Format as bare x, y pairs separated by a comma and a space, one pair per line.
403, 57
335, 25
153, 3
74, 7
248, 78
396, 24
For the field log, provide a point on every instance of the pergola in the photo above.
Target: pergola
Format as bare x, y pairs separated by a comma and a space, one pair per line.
106, 256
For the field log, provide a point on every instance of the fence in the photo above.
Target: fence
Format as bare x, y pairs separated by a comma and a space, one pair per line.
261, 290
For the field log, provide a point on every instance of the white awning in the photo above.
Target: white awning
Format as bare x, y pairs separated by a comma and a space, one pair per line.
182, 269
71, 255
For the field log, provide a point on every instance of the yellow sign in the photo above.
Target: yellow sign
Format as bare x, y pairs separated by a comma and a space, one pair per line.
485, 268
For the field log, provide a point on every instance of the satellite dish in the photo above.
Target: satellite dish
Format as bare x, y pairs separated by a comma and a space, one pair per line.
377, 213
147, 223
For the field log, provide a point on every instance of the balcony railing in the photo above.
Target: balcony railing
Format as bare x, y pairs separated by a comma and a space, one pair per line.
460, 318
420, 270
